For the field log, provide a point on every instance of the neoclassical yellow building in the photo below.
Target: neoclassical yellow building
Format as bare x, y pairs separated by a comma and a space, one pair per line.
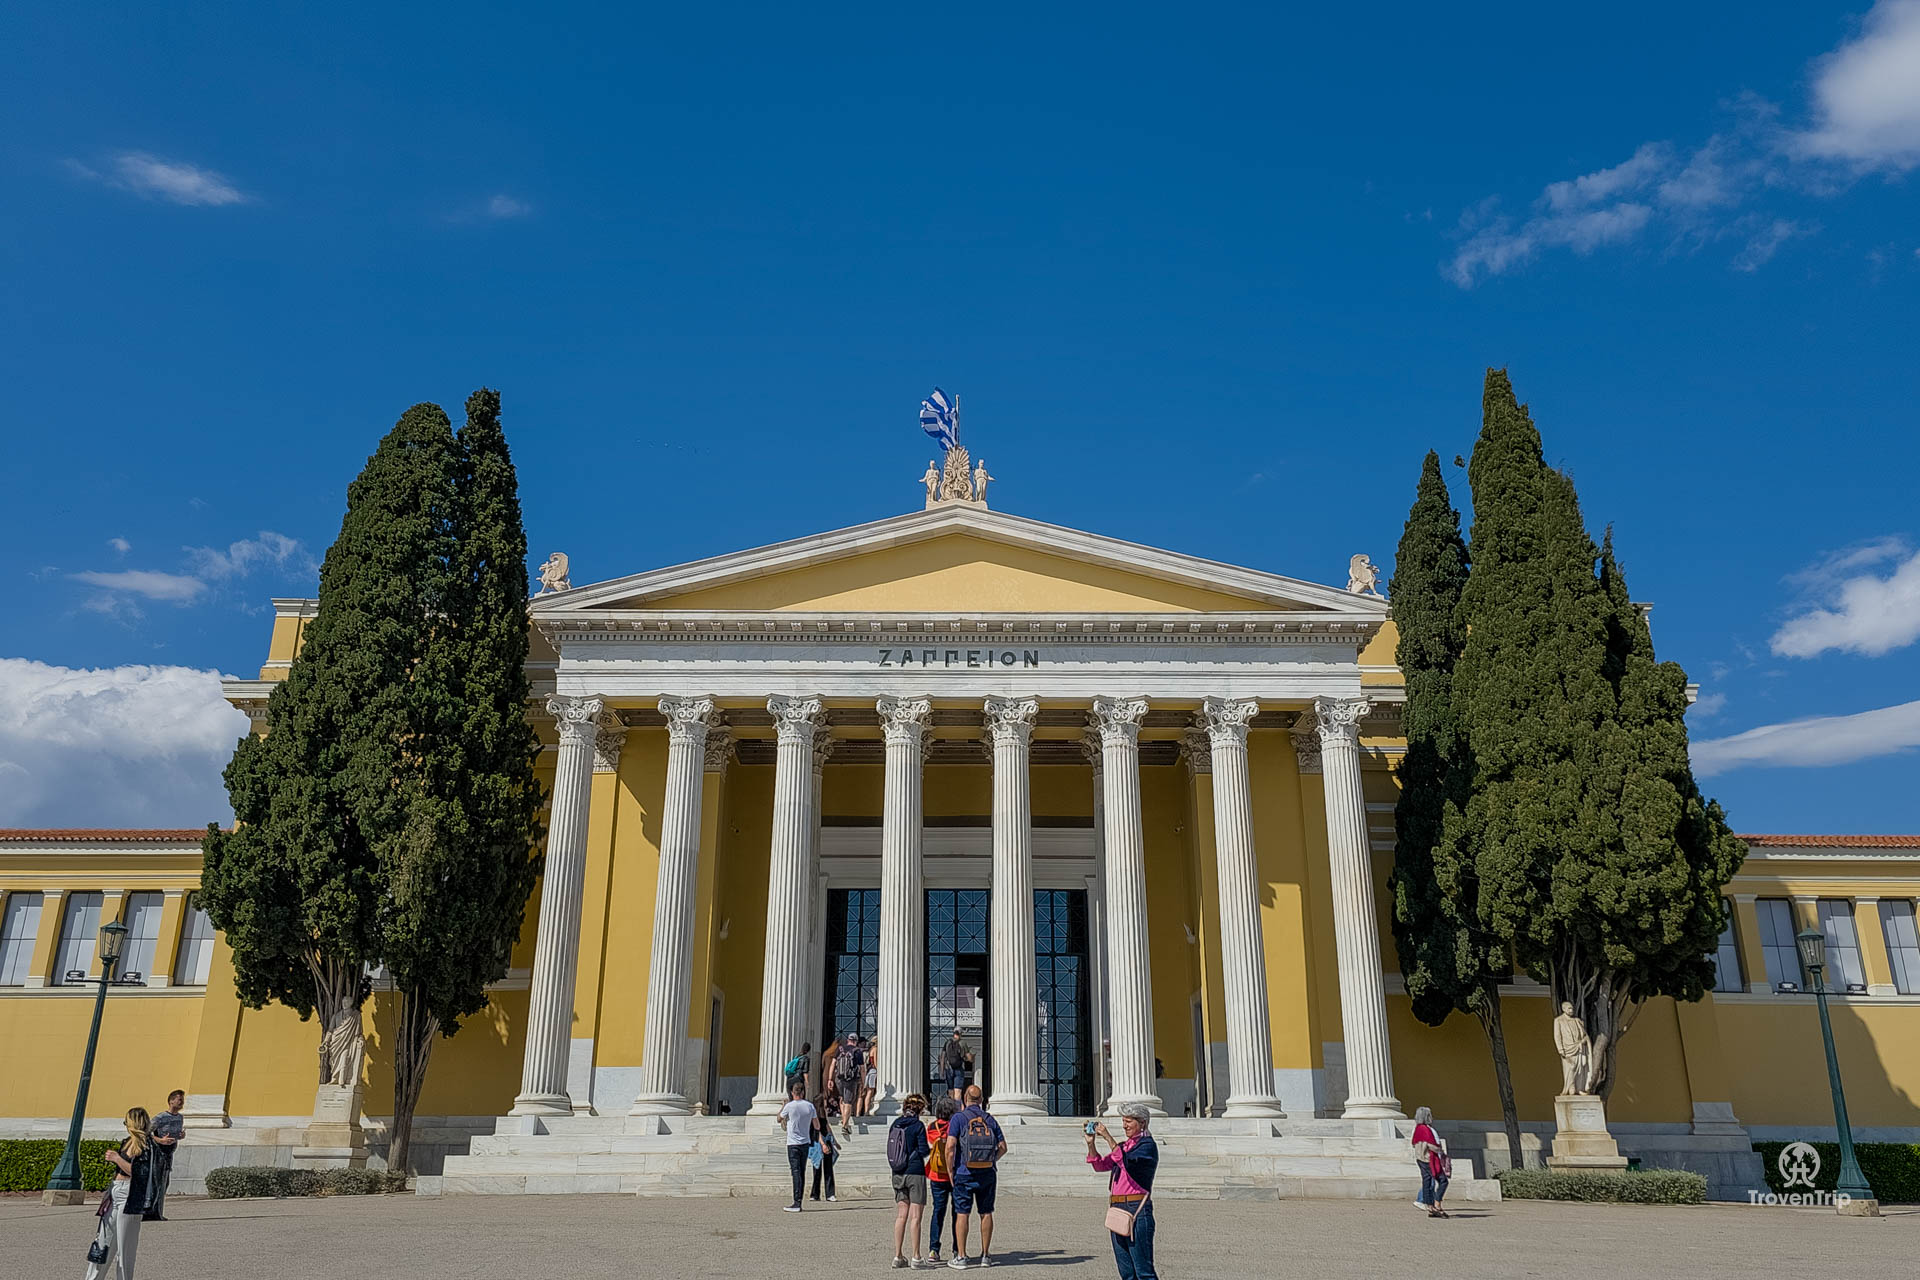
1121, 817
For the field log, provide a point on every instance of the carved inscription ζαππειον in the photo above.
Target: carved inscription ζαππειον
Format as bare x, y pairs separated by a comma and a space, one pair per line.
977, 659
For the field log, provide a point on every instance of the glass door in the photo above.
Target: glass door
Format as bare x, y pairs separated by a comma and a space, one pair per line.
957, 974
1060, 970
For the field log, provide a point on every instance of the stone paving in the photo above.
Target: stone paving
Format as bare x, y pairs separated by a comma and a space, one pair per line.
589, 1237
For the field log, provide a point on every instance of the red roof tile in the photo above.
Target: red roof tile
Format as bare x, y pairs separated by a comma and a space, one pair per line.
1836, 842
82, 835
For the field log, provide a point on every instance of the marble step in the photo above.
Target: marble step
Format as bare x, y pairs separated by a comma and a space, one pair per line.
707, 1185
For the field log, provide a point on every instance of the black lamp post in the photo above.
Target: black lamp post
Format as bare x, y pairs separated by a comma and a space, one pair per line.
1813, 957
65, 1186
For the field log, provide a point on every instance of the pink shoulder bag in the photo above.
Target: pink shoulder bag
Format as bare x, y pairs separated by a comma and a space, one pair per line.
1120, 1222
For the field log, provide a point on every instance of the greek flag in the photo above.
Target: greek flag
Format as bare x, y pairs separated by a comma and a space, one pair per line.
937, 419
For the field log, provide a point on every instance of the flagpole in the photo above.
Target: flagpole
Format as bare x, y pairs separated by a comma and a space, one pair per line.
956, 417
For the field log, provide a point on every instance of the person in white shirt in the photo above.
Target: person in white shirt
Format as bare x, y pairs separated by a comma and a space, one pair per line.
801, 1120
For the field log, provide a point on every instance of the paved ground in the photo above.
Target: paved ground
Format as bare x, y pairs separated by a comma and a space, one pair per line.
589, 1237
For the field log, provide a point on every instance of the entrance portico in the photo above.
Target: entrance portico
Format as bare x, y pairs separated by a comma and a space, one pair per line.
818, 679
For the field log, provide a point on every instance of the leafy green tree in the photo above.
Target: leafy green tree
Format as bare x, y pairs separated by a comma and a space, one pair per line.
297, 886
457, 885
1449, 959
1595, 857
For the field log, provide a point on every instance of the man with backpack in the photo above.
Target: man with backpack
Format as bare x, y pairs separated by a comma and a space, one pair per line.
799, 1066
974, 1147
849, 1075
907, 1150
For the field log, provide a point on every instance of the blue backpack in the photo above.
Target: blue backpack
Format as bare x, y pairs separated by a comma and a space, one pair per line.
977, 1138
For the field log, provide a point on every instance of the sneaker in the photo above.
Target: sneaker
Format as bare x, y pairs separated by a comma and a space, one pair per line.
899, 1263
833, 1199
985, 1260
958, 1262
789, 1208
933, 1256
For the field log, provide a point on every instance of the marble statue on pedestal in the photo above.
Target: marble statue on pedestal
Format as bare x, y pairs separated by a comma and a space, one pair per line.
553, 573
1363, 576
1575, 1046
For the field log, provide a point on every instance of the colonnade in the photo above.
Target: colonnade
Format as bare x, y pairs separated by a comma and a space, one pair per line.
1113, 738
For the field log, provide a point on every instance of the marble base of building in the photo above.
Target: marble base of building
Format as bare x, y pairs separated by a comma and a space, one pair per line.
1581, 1140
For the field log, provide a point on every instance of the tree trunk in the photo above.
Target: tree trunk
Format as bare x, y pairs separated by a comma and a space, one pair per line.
1494, 1025
415, 1030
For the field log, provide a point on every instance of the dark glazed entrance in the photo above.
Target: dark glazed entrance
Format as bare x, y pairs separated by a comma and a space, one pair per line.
959, 933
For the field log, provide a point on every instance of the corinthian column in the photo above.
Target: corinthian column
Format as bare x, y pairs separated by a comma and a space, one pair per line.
1243, 957
789, 886
1016, 1003
1356, 934
556, 948
663, 1048
902, 1016
1130, 986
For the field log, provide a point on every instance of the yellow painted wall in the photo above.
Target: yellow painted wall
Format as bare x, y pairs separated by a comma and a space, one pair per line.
1287, 925
959, 572
1163, 814
635, 880
1780, 1070
741, 890
146, 1049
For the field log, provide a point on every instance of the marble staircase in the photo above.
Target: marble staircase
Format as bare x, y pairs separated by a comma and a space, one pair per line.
1046, 1156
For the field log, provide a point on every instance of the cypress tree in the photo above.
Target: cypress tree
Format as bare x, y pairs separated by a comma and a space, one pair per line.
320, 800
457, 886
1595, 856
1449, 960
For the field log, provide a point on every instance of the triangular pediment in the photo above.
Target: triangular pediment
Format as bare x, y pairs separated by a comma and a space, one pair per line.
959, 559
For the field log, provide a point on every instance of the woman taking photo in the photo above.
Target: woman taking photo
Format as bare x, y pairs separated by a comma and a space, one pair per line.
1130, 1166
119, 1238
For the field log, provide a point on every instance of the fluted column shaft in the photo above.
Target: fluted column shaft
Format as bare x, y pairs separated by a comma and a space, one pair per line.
663, 1048
1242, 950
788, 890
1016, 1001
556, 948
1097, 919
901, 1019
1130, 986
1363, 1002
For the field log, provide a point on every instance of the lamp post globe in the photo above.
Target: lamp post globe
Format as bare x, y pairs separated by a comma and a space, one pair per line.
1851, 1182
66, 1185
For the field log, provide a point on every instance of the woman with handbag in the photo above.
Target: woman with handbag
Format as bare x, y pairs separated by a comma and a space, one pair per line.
828, 1146
124, 1204
1436, 1166
1130, 1166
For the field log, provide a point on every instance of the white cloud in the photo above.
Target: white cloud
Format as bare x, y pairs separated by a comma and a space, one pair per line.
174, 181
1867, 94
1813, 742
1766, 242
1864, 614
120, 544
1631, 174
241, 557
120, 746
171, 588
1707, 705
505, 206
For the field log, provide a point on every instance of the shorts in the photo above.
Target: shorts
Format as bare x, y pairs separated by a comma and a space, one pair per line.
956, 1079
973, 1190
909, 1188
873, 1079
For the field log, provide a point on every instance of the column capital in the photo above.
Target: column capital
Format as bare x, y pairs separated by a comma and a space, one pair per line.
1090, 748
688, 719
717, 752
1339, 719
578, 719
903, 721
795, 719
1196, 748
1306, 743
610, 735
823, 741
1225, 719
1011, 719
1118, 720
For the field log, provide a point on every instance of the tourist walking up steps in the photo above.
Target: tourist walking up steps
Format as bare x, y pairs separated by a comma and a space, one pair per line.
1436, 1167
849, 1072
1130, 1166
167, 1130
118, 1239
829, 1145
974, 1147
953, 1065
871, 1085
939, 1173
801, 1120
907, 1150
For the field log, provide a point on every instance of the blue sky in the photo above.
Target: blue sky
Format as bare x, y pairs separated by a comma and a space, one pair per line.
1212, 280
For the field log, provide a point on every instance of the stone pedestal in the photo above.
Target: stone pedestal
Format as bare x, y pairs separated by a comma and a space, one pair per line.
334, 1140
1581, 1140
